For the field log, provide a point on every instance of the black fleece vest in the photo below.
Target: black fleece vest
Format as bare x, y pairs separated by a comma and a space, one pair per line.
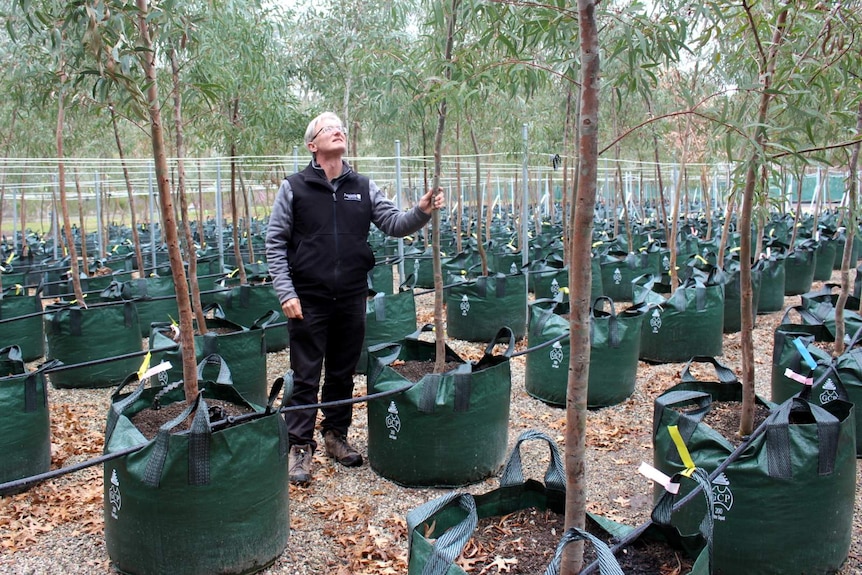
328, 249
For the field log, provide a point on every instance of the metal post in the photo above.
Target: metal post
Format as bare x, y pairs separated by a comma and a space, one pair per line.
398, 203
54, 220
15, 222
152, 194
99, 239
524, 211
295, 158
218, 208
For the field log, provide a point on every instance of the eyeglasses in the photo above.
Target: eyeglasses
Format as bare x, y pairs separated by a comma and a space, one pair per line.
327, 129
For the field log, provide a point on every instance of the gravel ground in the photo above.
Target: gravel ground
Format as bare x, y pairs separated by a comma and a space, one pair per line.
352, 520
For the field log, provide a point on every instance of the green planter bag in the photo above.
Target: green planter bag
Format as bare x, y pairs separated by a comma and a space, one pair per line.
799, 266
242, 348
245, 304
733, 295
614, 345
445, 430
210, 500
388, 317
21, 322
76, 335
800, 471
786, 354
476, 309
619, 269
439, 530
25, 421
684, 324
772, 279
822, 304
825, 260
155, 299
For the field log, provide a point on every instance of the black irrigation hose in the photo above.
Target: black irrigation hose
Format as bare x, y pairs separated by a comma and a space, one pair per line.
11, 487
70, 366
638, 531
541, 345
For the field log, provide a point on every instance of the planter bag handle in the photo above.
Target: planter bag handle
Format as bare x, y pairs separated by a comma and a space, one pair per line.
663, 511
543, 313
613, 328
608, 564
778, 441
198, 445
504, 335
224, 376
12, 361
724, 373
409, 283
854, 341
265, 320
688, 420
513, 472
806, 315
449, 545
119, 406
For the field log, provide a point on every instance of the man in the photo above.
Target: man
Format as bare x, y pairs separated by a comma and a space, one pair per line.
318, 255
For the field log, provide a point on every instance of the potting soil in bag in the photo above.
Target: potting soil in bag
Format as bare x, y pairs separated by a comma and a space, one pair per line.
799, 470
210, 500
78, 335
447, 429
476, 309
25, 421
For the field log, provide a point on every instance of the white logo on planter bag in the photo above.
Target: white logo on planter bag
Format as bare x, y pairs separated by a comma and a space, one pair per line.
618, 276
416, 267
665, 263
163, 377
555, 287
556, 354
465, 305
114, 495
393, 422
830, 391
655, 322
723, 497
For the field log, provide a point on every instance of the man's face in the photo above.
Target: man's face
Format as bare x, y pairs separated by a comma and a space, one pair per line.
329, 139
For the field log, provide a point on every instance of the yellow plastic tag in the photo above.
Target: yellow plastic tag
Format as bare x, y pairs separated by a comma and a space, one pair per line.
10, 258
684, 455
702, 259
597, 244
144, 366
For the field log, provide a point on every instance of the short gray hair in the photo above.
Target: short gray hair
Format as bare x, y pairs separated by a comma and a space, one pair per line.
311, 130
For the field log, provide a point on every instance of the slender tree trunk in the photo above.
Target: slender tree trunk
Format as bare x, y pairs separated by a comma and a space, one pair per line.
136, 239
64, 205
580, 284
187, 341
483, 257
235, 214
456, 216
440, 339
244, 191
725, 230
746, 309
191, 251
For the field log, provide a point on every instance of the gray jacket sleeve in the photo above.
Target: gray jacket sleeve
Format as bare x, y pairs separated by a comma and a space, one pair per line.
392, 221
278, 233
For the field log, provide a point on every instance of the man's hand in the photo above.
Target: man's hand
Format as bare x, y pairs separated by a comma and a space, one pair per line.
431, 201
292, 309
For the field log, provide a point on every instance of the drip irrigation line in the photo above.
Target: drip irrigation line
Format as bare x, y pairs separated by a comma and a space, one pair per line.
639, 530
71, 366
18, 485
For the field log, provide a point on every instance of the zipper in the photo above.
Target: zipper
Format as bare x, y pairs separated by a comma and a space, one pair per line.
335, 271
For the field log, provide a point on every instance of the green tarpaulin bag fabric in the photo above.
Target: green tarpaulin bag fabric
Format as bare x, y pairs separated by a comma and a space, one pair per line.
388, 317
799, 266
822, 305
825, 259
245, 304
438, 530
214, 499
800, 471
16, 304
733, 294
25, 420
476, 309
685, 324
829, 378
619, 269
155, 299
242, 348
75, 335
447, 429
614, 346
772, 279
786, 355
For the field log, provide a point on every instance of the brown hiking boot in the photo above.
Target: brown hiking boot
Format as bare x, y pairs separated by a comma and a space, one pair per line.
299, 464
341, 451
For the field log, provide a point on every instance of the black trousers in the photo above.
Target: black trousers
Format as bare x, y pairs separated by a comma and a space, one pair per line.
328, 338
